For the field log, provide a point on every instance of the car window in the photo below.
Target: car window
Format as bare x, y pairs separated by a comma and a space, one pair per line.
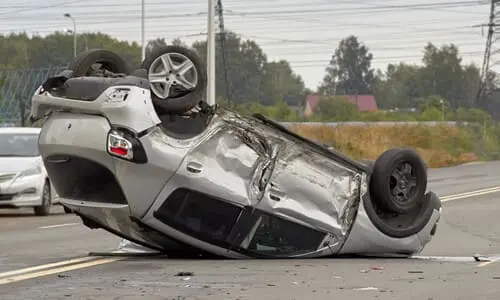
19, 144
277, 236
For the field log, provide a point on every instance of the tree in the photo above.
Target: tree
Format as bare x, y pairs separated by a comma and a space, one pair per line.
349, 70
445, 76
442, 74
244, 65
280, 83
153, 44
20, 51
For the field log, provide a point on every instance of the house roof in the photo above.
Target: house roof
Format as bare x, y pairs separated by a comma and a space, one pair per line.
363, 102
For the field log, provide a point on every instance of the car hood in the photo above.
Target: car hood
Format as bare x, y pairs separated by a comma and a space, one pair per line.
17, 164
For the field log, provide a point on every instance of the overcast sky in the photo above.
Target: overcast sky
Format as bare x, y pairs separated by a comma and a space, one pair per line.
303, 32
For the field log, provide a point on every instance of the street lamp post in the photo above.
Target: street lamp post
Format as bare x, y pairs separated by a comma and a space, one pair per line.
68, 15
83, 36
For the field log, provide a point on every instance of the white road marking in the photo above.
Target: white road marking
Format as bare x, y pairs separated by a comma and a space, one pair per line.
46, 266
58, 225
470, 194
52, 271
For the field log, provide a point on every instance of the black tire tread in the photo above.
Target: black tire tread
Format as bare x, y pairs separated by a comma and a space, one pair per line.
44, 210
84, 60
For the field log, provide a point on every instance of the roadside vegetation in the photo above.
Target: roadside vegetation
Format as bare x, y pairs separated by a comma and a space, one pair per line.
473, 134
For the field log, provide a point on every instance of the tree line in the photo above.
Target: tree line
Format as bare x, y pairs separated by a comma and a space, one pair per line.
247, 79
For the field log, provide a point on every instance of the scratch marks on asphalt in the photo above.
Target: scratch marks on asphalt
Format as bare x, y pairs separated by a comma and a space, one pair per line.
53, 268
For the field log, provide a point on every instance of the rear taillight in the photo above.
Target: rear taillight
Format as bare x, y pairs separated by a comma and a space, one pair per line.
120, 146
125, 144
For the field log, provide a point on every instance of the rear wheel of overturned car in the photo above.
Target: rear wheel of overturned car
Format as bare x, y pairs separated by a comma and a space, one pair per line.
96, 62
399, 180
44, 208
177, 78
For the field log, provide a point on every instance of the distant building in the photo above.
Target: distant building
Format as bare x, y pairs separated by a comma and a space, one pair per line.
363, 102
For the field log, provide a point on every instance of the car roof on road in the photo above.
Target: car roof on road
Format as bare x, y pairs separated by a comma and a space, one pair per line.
35, 130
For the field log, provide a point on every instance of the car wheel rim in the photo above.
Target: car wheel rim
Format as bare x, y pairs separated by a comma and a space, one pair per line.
171, 74
403, 182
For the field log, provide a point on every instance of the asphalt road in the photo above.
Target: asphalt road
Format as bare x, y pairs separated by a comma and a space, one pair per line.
468, 226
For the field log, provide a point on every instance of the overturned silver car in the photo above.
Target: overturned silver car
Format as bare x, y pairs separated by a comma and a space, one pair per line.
141, 155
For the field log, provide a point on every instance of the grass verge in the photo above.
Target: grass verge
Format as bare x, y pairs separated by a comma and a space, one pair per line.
439, 146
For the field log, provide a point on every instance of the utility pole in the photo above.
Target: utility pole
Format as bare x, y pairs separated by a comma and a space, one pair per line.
211, 52
143, 17
222, 37
485, 69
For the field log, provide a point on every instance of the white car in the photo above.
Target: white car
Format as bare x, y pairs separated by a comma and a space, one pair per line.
23, 179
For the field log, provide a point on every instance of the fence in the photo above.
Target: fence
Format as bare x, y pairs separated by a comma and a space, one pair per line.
16, 90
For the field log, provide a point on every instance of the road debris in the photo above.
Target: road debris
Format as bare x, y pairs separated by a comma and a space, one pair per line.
479, 257
180, 274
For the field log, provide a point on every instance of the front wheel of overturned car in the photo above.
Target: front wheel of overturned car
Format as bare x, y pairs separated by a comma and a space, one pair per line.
44, 208
399, 180
177, 78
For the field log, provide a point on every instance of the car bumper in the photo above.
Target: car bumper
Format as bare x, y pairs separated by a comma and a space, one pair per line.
22, 192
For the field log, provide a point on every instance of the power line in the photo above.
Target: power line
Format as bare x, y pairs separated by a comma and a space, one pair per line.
321, 8
60, 4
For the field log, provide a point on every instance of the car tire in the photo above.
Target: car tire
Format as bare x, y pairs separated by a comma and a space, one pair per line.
44, 209
185, 99
82, 63
395, 187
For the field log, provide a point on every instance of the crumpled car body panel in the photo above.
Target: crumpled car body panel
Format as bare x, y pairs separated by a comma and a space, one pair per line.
244, 187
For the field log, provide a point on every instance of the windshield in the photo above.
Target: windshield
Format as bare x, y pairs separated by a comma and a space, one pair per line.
19, 144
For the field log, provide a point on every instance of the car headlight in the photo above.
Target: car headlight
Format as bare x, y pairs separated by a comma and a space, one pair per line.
30, 172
